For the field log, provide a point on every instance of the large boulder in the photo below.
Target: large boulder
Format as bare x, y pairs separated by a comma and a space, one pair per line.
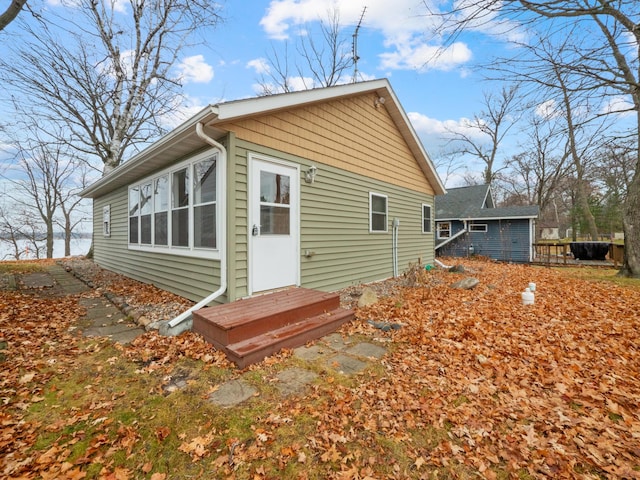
367, 298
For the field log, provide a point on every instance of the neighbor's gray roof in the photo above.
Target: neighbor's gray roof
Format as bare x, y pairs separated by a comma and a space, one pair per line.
465, 203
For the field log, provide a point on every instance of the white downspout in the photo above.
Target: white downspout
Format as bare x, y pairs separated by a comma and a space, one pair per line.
223, 233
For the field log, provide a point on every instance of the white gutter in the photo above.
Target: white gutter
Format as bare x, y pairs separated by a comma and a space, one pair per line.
223, 233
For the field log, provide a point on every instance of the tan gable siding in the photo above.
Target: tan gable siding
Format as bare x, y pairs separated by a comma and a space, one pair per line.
193, 278
351, 134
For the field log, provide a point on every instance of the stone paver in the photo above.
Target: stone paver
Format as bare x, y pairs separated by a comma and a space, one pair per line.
367, 350
345, 364
312, 353
232, 393
294, 380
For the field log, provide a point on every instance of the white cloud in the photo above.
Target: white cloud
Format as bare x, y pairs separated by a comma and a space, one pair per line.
259, 65
547, 109
185, 108
426, 57
295, 84
443, 129
405, 27
195, 69
618, 105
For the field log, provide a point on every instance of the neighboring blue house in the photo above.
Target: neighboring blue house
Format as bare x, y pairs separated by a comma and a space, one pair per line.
468, 222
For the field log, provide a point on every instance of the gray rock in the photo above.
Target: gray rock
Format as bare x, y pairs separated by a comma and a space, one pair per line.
457, 269
466, 283
367, 298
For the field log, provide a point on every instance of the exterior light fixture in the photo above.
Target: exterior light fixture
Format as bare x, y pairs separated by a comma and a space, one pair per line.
310, 175
379, 101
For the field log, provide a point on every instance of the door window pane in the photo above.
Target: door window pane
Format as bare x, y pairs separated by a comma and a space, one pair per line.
274, 188
275, 215
274, 220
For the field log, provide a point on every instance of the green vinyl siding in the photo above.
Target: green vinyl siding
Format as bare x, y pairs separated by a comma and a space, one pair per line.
334, 226
192, 278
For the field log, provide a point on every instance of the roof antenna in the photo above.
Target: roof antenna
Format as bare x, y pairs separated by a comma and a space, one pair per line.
354, 47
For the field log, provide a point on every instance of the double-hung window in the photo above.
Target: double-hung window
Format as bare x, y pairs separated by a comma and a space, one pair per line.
444, 229
426, 218
176, 210
377, 212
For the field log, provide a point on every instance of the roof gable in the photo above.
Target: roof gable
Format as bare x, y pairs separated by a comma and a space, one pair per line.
184, 138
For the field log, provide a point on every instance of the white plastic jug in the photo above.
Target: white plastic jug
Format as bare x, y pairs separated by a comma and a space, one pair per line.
527, 297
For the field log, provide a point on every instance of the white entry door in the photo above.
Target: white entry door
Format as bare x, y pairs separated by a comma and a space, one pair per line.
273, 225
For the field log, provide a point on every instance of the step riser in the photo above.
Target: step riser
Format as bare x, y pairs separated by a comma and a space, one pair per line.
260, 323
303, 336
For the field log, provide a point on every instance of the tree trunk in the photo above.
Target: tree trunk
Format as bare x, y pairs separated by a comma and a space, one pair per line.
49, 224
585, 211
67, 236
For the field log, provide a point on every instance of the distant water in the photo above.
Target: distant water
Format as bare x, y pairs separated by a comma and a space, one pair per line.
79, 246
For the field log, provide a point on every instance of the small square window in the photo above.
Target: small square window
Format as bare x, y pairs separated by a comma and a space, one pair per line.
426, 218
106, 220
377, 212
444, 229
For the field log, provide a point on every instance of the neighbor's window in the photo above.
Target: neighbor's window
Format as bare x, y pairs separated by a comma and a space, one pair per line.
426, 218
106, 220
177, 209
377, 212
478, 227
444, 230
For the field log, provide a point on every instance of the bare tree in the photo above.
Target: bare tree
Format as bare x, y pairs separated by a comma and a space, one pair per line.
111, 79
20, 228
41, 173
10, 14
492, 125
71, 204
608, 63
317, 63
534, 175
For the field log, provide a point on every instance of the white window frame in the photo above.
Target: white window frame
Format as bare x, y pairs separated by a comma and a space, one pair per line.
189, 250
439, 228
371, 212
106, 220
430, 229
478, 227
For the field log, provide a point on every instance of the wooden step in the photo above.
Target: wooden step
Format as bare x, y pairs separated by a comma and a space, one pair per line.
243, 319
252, 329
294, 335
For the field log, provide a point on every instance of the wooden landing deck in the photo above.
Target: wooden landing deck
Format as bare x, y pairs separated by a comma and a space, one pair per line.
252, 329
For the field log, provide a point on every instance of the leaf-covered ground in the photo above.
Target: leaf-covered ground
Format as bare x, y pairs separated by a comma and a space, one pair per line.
475, 385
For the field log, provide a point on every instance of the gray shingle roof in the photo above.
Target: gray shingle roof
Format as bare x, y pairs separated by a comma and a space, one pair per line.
467, 203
